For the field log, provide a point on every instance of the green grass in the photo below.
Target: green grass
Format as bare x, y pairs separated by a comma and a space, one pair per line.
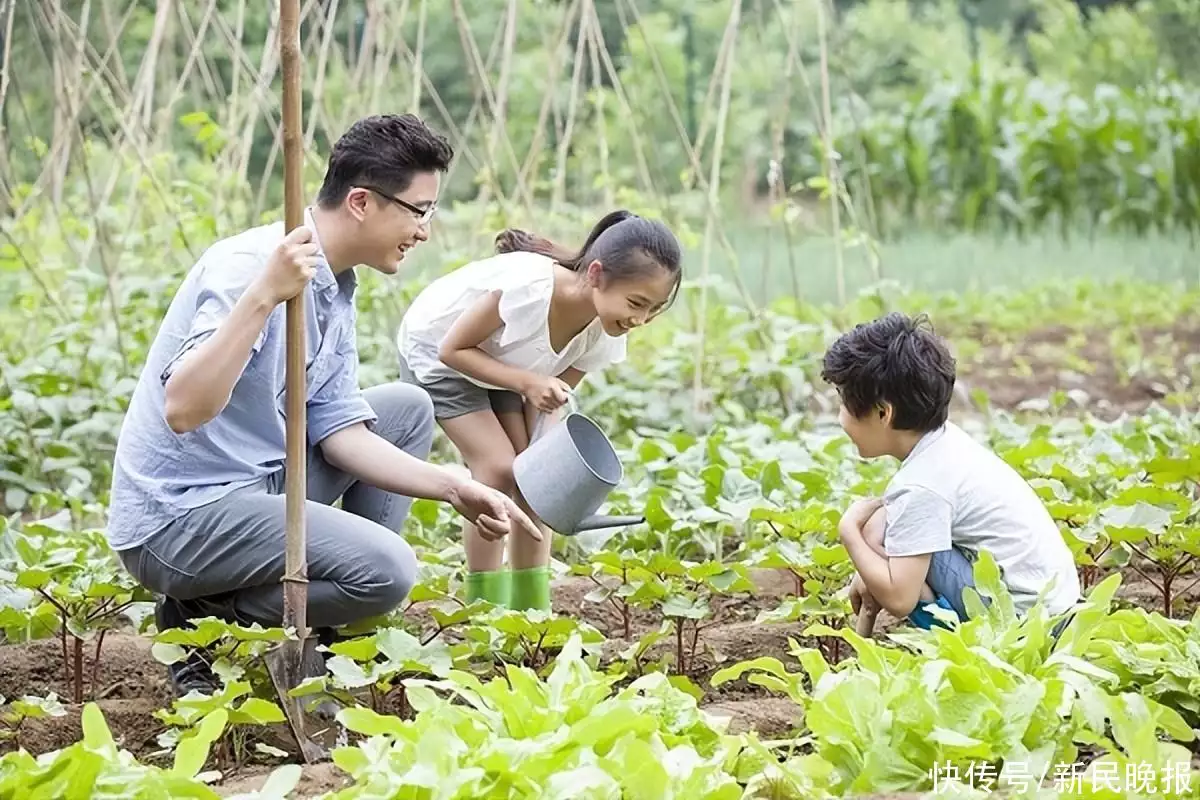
921, 261
948, 262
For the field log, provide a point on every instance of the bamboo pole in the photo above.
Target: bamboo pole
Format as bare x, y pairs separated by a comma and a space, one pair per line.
832, 176
539, 135
500, 111
559, 193
714, 182
414, 105
5, 176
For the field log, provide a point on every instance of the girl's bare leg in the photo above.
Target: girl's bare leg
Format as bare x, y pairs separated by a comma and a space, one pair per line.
524, 552
485, 446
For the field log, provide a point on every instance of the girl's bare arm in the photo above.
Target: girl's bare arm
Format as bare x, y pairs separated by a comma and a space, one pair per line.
460, 349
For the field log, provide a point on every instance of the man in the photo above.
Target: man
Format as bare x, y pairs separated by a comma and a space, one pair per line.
198, 506
951, 498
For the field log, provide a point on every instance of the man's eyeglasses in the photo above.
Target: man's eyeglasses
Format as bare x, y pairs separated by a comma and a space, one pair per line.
423, 214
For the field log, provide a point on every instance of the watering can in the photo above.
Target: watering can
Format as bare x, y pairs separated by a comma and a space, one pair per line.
566, 474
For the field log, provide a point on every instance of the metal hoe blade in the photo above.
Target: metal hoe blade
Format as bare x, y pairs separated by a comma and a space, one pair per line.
315, 729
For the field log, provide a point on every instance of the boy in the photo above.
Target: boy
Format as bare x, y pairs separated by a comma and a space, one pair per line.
951, 497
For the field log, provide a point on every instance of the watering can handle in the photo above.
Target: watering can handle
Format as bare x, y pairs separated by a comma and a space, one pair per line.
572, 404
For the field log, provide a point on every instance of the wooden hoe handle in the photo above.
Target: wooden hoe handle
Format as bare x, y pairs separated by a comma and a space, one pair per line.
295, 578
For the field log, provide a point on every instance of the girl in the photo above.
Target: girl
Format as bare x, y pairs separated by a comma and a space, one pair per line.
500, 340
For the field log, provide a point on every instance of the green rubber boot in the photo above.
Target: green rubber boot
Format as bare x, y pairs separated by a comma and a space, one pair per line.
495, 586
531, 589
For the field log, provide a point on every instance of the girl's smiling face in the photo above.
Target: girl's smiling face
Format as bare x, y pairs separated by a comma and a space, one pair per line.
629, 303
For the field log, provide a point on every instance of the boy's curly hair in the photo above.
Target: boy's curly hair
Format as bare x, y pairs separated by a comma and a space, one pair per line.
897, 360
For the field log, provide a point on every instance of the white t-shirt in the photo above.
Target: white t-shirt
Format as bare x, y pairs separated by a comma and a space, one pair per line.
526, 283
952, 490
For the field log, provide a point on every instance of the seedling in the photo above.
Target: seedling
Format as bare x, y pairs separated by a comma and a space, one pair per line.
15, 713
74, 577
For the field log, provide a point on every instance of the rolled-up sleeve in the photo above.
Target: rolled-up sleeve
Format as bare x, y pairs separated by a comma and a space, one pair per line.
339, 403
218, 289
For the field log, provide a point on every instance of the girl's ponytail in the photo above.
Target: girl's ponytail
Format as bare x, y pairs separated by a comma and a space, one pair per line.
516, 240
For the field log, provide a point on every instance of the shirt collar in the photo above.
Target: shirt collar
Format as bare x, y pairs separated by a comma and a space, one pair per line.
924, 442
324, 281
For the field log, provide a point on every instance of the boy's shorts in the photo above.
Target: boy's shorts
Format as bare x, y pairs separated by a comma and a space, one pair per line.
950, 573
456, 396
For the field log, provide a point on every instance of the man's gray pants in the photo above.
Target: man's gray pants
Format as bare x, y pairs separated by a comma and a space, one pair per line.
358, 564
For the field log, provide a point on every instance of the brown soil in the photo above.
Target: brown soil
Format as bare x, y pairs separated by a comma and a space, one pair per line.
771, 717
132, 724
1028, 368
130, 686
127, 669
315, 780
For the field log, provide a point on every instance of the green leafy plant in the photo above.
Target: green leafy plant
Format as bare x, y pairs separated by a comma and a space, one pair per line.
234, 652
227, 718
13, 714
566, 735
72, 577
681, 593
96, 767
378, 663
529, 638
995, 691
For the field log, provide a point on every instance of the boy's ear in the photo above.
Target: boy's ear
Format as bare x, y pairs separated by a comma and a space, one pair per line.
886, 411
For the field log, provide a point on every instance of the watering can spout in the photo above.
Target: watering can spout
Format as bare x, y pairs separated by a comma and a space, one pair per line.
601, 521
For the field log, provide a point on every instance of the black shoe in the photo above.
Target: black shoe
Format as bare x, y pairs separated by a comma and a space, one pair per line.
195, 672
326, 636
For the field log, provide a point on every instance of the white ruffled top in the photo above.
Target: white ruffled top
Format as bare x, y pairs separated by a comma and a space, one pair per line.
526, 283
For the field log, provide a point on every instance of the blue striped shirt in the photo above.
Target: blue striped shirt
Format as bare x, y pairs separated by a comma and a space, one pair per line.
159, 474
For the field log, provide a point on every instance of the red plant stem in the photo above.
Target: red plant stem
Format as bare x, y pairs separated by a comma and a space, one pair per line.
1190, 586
695, 636
621, 607
96, 662
78, 670
679, 647
537, 649
433, 635
1168, 572
62, 635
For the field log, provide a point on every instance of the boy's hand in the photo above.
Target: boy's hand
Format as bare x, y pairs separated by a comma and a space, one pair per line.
547, 394
857, 593
857, 515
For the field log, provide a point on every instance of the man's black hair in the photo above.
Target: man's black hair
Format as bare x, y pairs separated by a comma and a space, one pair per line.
383, 151
895, 359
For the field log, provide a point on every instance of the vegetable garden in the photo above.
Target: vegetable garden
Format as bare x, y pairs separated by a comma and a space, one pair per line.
710, 652
726, 603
